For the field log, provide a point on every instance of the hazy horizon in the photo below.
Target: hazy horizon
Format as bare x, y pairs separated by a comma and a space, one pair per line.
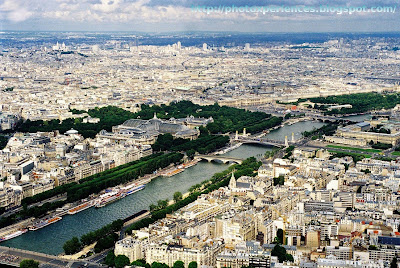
197, 15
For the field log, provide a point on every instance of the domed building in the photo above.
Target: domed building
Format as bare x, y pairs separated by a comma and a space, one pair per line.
146, 131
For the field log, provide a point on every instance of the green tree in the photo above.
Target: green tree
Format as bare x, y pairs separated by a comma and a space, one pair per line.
177, 196
193, 264
190, 153
346, 166
163, 142
121, 261
105, 242
393, 263
279, 181
179, 264
29, 263
279, 234
192, 189
289, 257
152, 207
110, 259
141, 263
159, 265
366, 171
213, 128
203, 131
280, 252
371, 142
72, 246
162, 203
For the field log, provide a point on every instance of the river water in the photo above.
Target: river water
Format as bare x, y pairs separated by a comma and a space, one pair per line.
358, 118
51, 238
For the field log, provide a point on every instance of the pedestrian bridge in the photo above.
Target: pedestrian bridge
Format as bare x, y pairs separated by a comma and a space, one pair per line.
220, 158
262, 141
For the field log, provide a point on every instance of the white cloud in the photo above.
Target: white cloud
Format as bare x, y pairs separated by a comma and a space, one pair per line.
19, 15
107, 6
69, 6
164, 12
15, 11
9, 5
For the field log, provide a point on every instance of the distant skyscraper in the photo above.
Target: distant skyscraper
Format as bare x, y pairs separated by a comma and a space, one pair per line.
179, 45
247, 46
204, 46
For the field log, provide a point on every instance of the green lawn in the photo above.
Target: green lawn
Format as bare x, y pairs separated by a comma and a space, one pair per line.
354, 149
350, 154
396, 153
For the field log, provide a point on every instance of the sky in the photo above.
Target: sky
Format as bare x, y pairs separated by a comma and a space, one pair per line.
183, 15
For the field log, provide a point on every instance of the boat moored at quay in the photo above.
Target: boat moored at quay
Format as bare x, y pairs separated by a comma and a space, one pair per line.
116, 194
109, 198
13, 235
44, 223
81, 207
133, 189
172, 172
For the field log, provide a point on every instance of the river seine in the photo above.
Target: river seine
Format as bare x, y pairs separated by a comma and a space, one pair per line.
51, 238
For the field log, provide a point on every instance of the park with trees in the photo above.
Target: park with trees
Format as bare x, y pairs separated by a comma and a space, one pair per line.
105, 237
360, 102
203, 144
226, 119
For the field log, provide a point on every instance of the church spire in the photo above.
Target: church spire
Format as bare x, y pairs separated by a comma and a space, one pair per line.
232, 182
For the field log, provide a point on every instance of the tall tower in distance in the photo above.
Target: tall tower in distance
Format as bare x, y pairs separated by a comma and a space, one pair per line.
205, 46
